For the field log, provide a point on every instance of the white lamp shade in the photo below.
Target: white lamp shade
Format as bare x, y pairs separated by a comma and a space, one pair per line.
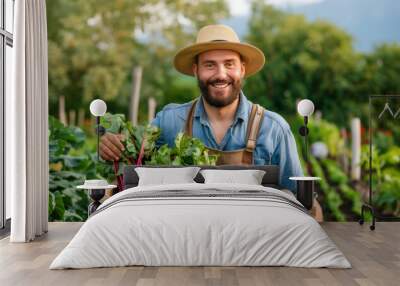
305, 107
98, 107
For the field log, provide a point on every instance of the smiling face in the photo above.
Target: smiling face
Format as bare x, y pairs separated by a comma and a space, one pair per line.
219, 75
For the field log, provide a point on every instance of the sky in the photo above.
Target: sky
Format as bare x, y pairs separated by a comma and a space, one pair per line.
242, 7
369, 22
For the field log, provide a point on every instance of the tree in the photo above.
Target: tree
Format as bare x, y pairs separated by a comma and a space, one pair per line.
93, 46
381, 70
304, 59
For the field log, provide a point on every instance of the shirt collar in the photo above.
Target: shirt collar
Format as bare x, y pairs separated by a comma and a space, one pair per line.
241, 112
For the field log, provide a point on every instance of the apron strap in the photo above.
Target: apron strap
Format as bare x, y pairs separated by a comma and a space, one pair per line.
253, 126
189, 119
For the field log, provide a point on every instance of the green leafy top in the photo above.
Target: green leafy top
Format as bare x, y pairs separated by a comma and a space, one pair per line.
187, 150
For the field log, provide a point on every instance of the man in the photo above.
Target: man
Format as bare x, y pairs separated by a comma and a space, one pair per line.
223, 118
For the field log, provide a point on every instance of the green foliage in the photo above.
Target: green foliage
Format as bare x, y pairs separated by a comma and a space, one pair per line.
382, 141
187, 151
339, 200
182, 89
332, 200
62, 140
133, 137
305, 59
324, 131
66, 172
381, 70
70, 164
385, 178
340, 180
376, 164
94, 44
316, 60
320, 130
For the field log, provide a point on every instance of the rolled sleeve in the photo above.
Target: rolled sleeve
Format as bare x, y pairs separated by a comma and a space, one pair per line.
287, 158
157, 122
170, 120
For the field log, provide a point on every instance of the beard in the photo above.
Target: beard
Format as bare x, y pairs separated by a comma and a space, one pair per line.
216, 100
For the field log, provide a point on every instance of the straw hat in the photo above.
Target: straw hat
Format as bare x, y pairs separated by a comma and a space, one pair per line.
219, 37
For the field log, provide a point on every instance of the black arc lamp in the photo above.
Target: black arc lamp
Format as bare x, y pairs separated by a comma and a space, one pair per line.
98, 108
305, 108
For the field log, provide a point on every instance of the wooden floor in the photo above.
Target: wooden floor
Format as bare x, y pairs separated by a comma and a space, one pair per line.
375, 256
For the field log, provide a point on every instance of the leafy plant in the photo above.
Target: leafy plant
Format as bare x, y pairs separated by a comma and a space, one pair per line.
322, 130
340, 180
331, 197
385, 178
140, 146
187, 151
66, 172
71, 163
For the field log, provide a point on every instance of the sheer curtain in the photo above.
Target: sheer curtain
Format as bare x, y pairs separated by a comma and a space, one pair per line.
27, 124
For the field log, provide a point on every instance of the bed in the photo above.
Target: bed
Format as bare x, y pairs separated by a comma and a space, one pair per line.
201, 224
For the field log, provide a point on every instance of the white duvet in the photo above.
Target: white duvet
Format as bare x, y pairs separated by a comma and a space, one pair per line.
183, 231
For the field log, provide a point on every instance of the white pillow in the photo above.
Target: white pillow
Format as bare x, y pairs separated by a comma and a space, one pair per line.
249, 177
163, 176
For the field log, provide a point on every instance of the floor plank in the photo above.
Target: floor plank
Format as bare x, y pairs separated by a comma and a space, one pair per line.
374, 255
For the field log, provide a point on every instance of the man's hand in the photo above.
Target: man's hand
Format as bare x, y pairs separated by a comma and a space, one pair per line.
316, 211
111, 146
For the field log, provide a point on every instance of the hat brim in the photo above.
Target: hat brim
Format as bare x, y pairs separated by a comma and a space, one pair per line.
253, 57
88, 187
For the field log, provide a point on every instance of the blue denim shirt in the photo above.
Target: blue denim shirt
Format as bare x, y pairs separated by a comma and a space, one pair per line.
275, 142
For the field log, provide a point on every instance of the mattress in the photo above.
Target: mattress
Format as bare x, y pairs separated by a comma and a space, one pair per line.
201, 225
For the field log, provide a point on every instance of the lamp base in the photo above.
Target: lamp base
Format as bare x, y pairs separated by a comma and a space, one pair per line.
305, 190
305, 193
96, 195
